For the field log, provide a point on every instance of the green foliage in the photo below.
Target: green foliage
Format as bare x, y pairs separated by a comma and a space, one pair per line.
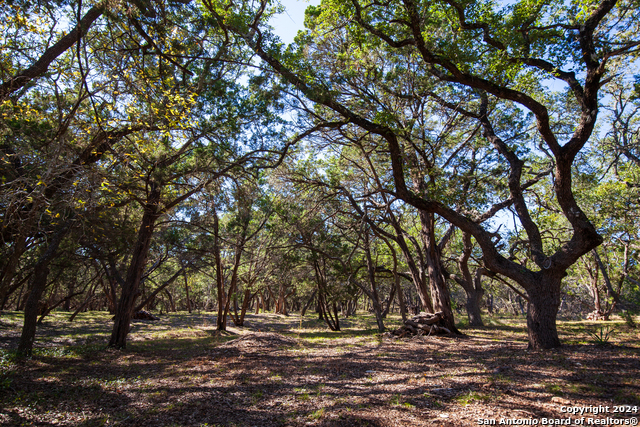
472, 397
602, 336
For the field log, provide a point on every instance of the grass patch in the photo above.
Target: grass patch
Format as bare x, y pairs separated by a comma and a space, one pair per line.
471, 397
317, 415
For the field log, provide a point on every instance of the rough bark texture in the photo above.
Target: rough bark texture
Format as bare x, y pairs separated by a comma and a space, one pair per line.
542, 310
130, 289
439, 290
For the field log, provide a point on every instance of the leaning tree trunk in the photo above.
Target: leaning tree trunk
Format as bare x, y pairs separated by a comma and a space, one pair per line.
159, 289
306, 306
542, 310
38, 285
130, 289
248, 296
324, 307
611, 293
186, 289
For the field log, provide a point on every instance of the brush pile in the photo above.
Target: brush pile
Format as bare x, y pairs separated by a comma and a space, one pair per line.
422, 324
144, 315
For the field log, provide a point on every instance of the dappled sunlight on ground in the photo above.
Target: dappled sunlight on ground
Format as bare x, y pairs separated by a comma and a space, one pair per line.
279, 371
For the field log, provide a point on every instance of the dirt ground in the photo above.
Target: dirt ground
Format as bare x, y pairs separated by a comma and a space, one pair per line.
284, 371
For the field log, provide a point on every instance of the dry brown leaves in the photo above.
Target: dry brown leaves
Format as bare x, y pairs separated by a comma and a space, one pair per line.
269, 379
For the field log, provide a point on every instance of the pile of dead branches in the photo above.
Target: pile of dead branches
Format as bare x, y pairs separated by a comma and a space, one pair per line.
422, 324
144, 315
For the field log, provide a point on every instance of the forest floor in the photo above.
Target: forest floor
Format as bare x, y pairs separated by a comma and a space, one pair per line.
284, 371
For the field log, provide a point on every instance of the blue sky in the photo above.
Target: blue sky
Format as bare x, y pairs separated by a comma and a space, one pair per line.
287, 25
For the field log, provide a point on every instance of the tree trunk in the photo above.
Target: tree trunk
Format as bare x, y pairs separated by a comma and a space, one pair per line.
110, 295
542, 310
390, 301
281, 302
186, 289
605, 276
439, 291
306, 306
472, 286
50, 308
86, 302
375, 299
245, 305
396, 283
38, 285
172, 305
13, 288
259, 303
222, 297
473, 307
416, 274
130, 289
10, 267
158, 290
324, 308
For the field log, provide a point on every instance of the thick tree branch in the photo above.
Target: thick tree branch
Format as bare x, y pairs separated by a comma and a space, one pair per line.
41, 66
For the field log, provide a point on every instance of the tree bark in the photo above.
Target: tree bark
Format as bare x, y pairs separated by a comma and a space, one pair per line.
439, 291
38, 285
472, 286
542, 310
248, 296
172, 305
130, 289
